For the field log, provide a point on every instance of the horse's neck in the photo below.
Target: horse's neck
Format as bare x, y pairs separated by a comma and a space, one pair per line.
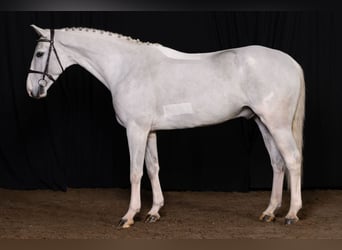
104, 58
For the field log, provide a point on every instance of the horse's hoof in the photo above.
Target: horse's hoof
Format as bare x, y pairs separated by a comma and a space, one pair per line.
267, 218
290, 221
124, 223
152, 218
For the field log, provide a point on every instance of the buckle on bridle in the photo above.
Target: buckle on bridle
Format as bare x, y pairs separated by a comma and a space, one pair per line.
42, 82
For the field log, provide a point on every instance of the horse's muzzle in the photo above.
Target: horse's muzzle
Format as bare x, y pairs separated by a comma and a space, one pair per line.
37, 93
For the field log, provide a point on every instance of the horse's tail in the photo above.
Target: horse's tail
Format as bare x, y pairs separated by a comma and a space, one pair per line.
298, 121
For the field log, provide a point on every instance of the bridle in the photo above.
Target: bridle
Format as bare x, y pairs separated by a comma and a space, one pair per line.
42, 82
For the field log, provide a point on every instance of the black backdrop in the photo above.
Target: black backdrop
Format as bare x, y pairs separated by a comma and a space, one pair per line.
71, 138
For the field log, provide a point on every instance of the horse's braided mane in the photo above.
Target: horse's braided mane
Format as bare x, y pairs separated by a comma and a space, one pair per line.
103, 32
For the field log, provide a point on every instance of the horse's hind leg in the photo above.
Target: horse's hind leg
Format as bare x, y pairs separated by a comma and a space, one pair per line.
285, 141
288, 147
152, 165
278, 166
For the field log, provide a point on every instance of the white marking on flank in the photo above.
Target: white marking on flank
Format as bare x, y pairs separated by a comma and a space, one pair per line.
177, 109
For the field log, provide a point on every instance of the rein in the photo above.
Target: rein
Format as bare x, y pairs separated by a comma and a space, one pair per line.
42, 82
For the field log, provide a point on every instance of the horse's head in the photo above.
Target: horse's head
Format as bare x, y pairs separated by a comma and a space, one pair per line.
46, 64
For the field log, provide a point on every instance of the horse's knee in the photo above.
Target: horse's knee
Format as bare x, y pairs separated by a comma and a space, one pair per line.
135, 176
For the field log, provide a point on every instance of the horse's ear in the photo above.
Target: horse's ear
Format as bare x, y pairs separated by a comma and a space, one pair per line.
39, 31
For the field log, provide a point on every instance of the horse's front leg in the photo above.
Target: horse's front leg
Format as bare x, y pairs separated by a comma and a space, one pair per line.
137, 137
152, 165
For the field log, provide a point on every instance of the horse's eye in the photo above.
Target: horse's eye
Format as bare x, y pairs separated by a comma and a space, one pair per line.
39, 54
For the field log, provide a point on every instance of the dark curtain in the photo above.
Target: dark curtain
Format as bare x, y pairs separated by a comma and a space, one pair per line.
71, 138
